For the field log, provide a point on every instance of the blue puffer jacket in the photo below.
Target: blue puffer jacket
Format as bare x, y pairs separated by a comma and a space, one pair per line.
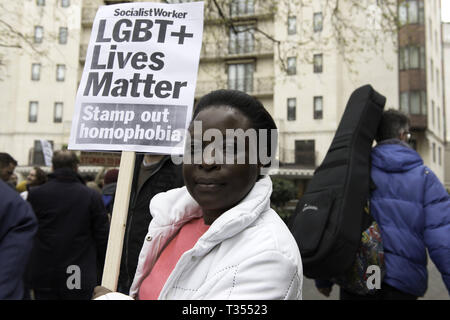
412, 209
18, 225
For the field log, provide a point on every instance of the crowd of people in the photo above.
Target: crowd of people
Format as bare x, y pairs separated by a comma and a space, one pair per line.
205, 230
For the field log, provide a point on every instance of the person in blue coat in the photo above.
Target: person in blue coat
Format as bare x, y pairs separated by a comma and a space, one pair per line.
412, 209
18, 225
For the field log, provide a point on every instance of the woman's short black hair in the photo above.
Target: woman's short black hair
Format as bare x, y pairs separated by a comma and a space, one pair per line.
251, 107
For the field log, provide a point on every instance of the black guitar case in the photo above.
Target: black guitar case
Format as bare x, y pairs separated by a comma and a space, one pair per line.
328, 219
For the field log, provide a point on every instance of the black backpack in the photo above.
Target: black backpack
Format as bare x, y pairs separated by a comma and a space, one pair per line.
329, 219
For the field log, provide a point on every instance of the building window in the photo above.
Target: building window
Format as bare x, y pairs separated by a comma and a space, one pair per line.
58, 112
291, 65
438, 113
36, 71
412, 57
240, 77
434, 152
437, 81
440, 156
40, 3
292, 25
432, 112
413, 102
60, 72
436, 41
411, 11
318, 107
431, 70
318, 63
241, 7
305, 153
65, 3
63, 31
33, 111
241, 41
291, 109
318, 21
38, 34
430, 28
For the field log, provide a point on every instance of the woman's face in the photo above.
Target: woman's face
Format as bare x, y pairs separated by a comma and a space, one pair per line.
32, 176
218, 187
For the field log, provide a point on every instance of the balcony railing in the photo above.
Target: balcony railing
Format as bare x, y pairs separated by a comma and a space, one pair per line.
260, 10
226, 49
262, 86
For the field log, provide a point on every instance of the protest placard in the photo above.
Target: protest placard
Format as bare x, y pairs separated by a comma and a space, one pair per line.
138, 84
136, 93
47, 151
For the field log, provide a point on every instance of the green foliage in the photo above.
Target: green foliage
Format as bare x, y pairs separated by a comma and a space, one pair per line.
283, 191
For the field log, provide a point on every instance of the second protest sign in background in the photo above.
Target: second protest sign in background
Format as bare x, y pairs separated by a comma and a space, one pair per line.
138, 84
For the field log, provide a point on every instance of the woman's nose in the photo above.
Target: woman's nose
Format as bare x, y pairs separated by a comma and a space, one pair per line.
210, 160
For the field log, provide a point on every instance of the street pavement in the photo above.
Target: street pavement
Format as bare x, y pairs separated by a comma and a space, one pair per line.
436, 288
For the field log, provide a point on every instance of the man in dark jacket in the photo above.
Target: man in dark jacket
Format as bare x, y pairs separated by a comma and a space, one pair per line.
72, 237
412, 209
18, 226
152, 174
7, 166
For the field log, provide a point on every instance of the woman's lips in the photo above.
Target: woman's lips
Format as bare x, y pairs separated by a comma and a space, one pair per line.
208, 185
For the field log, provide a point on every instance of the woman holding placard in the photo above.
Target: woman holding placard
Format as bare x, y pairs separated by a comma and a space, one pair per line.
218, 238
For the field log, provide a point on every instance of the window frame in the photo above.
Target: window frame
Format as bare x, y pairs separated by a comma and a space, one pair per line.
408, 8
65, 38
406, 100
33, 116
291, 25
243, 82
242, 7
55, 118
318, 68
243, 41
36, 37
65, 3
291, 69
291, 109
317, 114
38, 66
317, 23
58, 68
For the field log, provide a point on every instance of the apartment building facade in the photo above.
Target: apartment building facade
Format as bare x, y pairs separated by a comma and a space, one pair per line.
286, 54
39, 75
446, 84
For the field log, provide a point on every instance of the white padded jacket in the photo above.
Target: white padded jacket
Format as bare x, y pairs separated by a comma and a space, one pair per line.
247, 253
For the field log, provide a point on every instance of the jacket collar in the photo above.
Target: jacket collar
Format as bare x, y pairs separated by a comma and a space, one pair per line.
394, 141
176, 207
66, 174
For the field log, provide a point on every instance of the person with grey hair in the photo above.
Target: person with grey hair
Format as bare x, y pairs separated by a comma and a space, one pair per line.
70, 246
412, 209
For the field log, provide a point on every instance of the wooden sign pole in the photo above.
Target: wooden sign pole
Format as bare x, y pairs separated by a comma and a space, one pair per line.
118, 221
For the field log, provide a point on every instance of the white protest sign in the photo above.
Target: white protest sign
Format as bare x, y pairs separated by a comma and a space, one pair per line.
138, 84
47, 150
